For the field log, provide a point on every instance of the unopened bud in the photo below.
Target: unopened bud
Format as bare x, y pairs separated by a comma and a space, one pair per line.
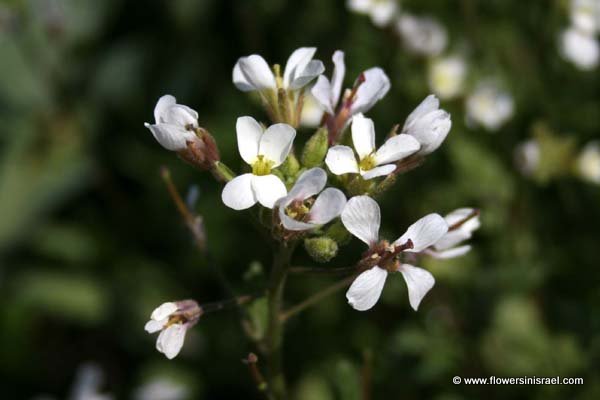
290, 166
315, 149
338, 232
202, 151
321, 249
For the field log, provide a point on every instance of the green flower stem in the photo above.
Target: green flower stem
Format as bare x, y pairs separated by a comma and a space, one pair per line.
274, 336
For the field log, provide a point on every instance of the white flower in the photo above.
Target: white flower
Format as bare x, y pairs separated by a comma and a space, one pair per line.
171, 337
174, 125
588, 162
585, 15
447, 76
580, 48
362, 218
422, 35
428, 124
381, 11
162, 389
298, 214
374, 86
253, 73
263, 151
527, 157
489, 106
462, 223
88, 382
371, 164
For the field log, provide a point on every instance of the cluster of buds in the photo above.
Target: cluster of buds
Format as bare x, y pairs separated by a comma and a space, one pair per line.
327, 193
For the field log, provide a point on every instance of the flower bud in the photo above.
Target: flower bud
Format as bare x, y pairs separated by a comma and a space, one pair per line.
321, 249
290, 166
315, 149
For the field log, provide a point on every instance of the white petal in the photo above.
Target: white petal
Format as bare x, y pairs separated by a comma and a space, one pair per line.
360, 6
424, 233
310, 72
366, 289
239, 80
418, 282
362, 218
396, 148
163, 311
171, 137
162, 105
383, 12
451, 239
431, 103
341, 160
153, 326
257, 73
430, 130
276, 143
238, 193
363, 135
458, 215
321, 91
311, 182
328, 206
249, 133
450, 253
381, 170
375, 86
170, 340
337, 79
297, 61
179, 115
268, 189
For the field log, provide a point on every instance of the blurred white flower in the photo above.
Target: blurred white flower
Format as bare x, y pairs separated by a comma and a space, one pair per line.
299, 210
428, 124
447, 76
371, 163
253, 73
362, 218
382, 12
422, 35
462, 223
372, 86
580, 48
162, 389
174, 124
588, 162
585, 15
527, 156
489, 106
173, 319
87, 384
263, 150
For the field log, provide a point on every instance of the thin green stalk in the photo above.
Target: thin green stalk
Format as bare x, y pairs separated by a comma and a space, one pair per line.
274, 336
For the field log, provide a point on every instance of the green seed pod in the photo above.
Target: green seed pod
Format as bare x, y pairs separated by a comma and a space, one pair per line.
315, 149
321, 249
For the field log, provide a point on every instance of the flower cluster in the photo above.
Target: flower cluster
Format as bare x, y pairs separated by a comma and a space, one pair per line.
330, 187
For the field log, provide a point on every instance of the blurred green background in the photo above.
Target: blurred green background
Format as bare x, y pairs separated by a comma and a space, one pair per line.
90, 241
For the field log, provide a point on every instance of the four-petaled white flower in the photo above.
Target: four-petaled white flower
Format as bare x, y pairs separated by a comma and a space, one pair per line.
174, 125
375, 84
428, 124
447, 76
462, 223
172, 333
489, 106
298, 212
362, 218
382, 12
253, 73
580, 48
422, 35
341, 160
263, 150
